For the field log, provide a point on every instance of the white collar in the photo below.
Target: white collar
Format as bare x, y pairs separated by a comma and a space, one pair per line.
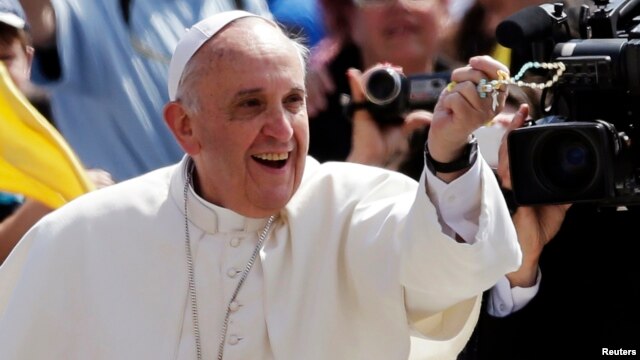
209, 217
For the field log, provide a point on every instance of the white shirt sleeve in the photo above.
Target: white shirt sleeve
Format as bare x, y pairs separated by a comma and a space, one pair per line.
458, 202
505, 300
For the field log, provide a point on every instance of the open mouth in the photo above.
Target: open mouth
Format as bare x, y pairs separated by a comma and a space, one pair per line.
272, 160
401, 29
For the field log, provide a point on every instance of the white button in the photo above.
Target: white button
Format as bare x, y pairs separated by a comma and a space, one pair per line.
233, 339
232, 273
234, 306
503, 307
451, 198
235, 242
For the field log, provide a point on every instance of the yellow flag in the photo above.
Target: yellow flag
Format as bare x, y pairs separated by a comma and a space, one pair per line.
502, 54
35, 160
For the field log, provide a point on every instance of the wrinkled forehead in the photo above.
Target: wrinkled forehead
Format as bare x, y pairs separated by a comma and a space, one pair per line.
250, 50
248, 55
251, 37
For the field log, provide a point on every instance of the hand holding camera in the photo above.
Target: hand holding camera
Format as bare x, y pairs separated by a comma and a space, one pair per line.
383, 110
585, 149
389, 95
374, 143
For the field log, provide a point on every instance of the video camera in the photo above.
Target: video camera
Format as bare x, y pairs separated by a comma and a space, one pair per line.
587, 147
390, 94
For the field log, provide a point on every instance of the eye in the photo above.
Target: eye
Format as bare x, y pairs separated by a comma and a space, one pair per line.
6, 57
294, 102
250, 103
248, 107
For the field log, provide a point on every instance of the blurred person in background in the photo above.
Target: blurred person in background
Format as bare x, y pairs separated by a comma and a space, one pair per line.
360, 34
474, 33
17, 213
104, 64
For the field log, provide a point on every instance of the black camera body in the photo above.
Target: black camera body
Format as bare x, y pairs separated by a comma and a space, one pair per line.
390, 94
587, 147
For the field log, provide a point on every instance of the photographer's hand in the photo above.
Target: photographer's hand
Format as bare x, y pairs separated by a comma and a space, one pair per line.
318, 81
385, 147
535, 225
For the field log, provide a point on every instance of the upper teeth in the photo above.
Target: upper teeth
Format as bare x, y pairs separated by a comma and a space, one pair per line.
273, 156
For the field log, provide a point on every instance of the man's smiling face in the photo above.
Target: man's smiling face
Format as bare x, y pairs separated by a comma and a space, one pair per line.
249, 124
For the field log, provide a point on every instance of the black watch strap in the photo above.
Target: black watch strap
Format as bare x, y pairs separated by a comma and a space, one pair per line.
468, 157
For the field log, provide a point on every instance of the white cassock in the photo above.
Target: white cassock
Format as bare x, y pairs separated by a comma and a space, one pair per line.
356, 262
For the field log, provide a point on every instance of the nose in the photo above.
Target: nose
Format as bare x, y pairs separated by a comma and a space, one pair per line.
279, 124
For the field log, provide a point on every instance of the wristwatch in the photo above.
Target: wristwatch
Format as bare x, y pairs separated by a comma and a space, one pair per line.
465, 160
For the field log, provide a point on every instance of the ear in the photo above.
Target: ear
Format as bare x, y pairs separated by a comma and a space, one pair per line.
29, 53
444, 16
181, 125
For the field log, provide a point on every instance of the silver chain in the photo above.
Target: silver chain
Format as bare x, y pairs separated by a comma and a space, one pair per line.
191, 274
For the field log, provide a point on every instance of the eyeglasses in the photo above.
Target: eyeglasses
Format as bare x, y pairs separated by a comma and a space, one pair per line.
381, 3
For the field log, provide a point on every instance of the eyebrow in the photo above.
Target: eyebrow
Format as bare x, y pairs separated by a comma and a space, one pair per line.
258, 90
300, 88
248, 91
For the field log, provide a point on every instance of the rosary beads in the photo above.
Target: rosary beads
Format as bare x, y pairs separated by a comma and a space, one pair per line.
492, 87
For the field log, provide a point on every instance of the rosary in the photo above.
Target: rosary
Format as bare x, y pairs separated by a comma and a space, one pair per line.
492, 87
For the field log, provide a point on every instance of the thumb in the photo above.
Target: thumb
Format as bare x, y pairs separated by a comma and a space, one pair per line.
357, 93
519, 118
518, 121
416, 120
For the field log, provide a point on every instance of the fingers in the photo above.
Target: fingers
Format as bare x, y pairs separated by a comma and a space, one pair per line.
367, 143
479, 67
464, 102
357, 92
416, 120
100, 178
319, 84
487, 65
397, 147
519, 118
504, 172
325, 80
474, 83
374, 145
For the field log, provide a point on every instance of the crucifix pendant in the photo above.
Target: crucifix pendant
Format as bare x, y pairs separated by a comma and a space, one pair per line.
485, 88
494, 100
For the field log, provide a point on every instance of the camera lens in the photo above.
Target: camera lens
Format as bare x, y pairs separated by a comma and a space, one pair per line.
382, 86
566, 161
